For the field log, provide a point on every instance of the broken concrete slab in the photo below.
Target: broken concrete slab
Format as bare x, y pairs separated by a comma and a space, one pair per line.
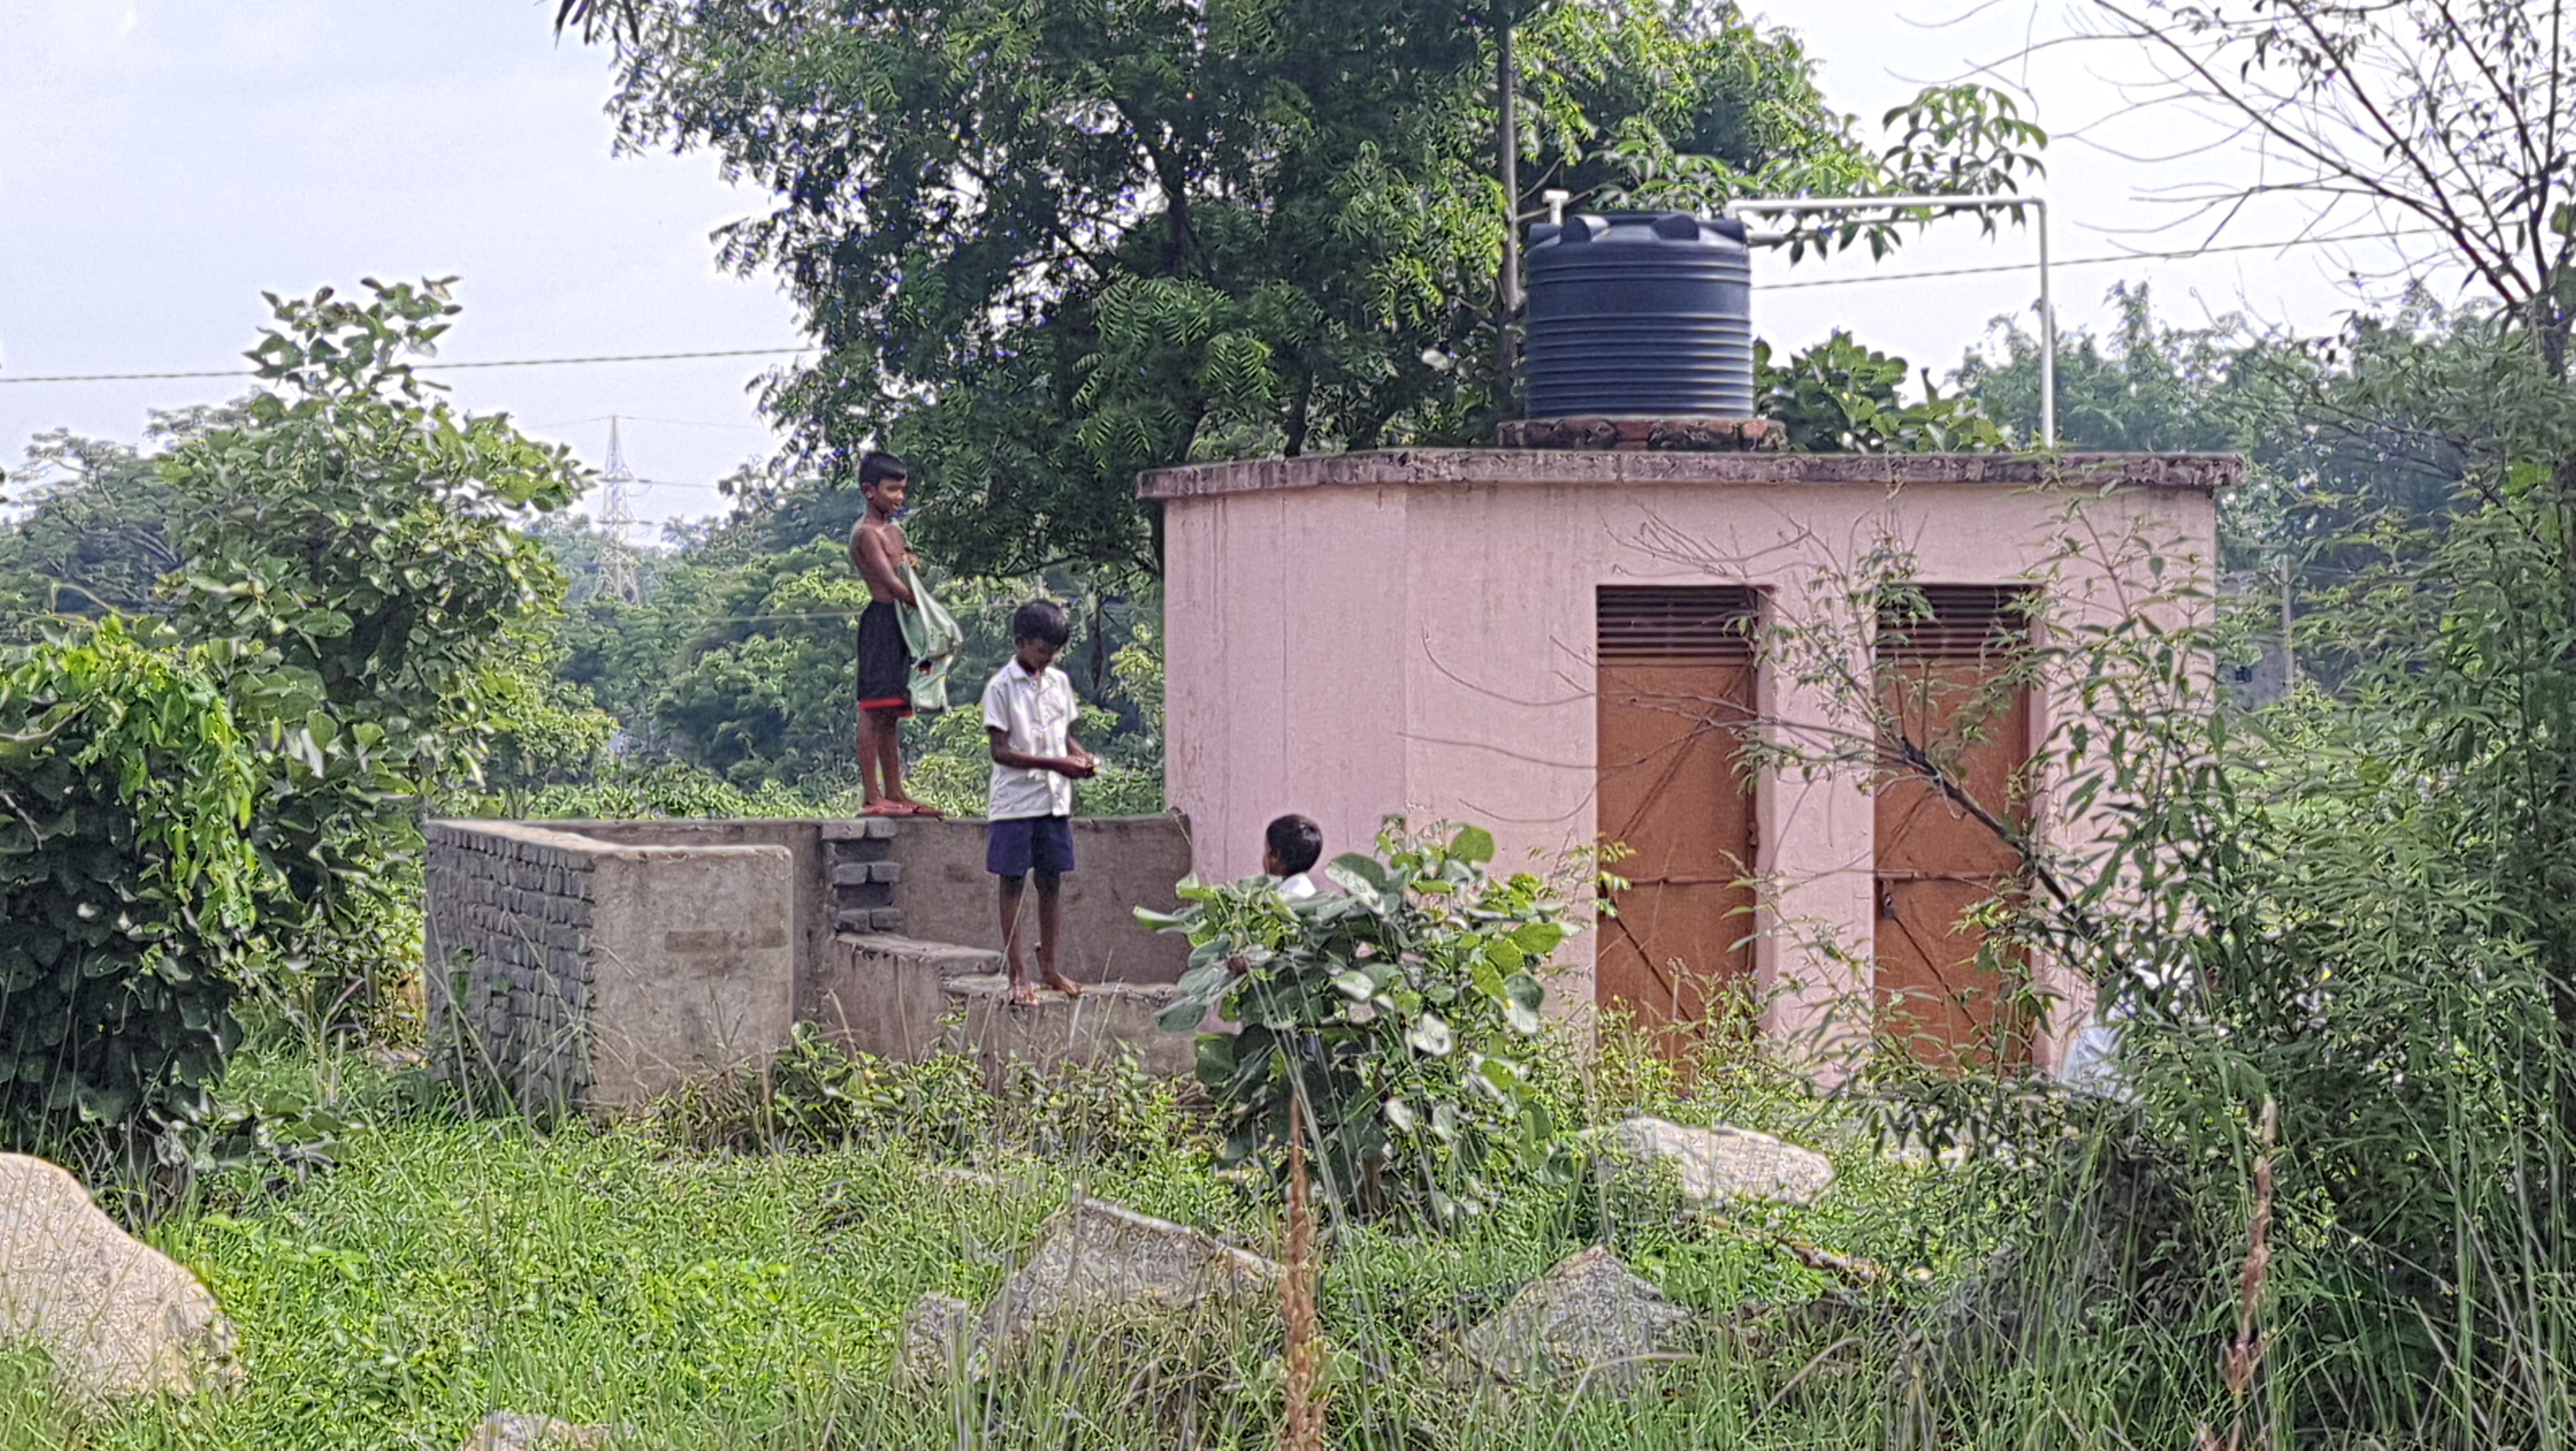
119, 1318
1589, 1323
1721, 1166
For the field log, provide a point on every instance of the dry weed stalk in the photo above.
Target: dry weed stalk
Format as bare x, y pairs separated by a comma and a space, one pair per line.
1301, 1424
2244, 1358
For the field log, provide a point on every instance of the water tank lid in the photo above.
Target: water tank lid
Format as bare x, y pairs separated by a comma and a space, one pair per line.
1673, 226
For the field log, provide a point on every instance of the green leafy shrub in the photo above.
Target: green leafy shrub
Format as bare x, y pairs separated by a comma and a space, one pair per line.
1841, 397
126, 884
350, 546
1391, 1015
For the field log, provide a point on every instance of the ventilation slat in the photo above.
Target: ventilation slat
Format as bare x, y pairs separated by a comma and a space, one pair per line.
1968, 622
1676, 624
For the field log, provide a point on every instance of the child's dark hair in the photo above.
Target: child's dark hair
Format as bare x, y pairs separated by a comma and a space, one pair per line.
878, 467
1297, 842
1042, 621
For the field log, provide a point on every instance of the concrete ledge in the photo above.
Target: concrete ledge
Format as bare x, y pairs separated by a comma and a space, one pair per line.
1097, 1027
2200, 473
885, 995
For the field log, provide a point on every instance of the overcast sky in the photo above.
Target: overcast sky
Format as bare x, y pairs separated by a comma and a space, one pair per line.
164, 161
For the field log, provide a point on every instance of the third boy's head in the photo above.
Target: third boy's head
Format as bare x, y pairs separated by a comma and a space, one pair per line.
883, 480
1040, 629
1293, 844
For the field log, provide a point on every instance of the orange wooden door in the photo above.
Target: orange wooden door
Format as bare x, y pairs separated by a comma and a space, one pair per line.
1946, 696
1675, 694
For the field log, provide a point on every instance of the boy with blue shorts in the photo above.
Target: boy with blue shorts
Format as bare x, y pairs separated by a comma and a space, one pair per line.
1029, 711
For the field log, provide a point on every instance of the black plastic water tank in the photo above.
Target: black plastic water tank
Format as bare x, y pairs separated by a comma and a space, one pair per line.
1639, 313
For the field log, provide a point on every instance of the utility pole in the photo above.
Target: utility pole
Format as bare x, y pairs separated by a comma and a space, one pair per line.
1507, 93
616, 558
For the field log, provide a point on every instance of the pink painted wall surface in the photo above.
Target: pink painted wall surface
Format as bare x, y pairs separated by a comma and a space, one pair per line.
1367, 634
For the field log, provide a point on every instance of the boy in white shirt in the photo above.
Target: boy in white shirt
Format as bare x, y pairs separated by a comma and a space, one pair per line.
1289, 851
1029, 711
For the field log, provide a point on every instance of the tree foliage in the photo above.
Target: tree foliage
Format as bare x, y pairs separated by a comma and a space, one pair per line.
1045, 246
2452, 117
1841, 397
95, 538
349, 539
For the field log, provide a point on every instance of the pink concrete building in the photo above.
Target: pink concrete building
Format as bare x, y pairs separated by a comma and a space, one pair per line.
1553, 644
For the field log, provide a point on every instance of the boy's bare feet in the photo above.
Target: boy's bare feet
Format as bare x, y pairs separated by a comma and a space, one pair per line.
1024, 994
885, 808
909, 807
1065, 985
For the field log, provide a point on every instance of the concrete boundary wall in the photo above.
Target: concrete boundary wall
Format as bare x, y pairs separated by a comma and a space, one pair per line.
573, 972
601, 964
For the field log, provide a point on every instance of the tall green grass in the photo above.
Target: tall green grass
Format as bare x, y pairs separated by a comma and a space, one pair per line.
734, 1272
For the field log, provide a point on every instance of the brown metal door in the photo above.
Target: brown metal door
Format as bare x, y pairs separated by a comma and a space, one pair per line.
1949, 701
1675, 692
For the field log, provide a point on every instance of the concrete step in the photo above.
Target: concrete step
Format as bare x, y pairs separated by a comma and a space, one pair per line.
899, 997
882, 993
1097, 1027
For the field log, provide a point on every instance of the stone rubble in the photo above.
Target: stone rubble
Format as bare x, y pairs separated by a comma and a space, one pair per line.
1590, 1323
1092, 1259
1720, 1166
119, 1318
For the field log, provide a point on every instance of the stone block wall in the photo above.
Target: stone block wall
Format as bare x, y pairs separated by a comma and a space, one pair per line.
598, 965
508, 953
567, 972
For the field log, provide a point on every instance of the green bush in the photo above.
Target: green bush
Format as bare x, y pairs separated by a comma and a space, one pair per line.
352, 550
1391, 1015
126, 884
1841, 397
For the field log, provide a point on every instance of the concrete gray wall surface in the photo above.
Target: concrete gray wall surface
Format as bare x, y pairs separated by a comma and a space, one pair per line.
1121, 863
571, 971
602, 964
810, 906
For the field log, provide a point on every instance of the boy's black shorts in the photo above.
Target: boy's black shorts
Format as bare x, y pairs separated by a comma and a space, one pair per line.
885, 666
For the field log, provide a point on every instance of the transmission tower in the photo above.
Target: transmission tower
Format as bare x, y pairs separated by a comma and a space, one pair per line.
616, 556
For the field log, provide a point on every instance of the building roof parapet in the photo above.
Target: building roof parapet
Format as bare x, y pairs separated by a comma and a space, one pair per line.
2201, 473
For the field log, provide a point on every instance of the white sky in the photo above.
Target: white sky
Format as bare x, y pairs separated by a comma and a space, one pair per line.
164, 161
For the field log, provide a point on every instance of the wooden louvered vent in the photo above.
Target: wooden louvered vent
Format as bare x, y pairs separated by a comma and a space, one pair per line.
1676, 624
1968, 622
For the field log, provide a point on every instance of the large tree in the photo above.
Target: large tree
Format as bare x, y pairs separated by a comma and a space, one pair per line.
1046, 244
2452, 121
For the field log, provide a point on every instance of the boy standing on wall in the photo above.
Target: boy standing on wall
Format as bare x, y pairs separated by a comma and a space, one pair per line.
1029, 711
880, 552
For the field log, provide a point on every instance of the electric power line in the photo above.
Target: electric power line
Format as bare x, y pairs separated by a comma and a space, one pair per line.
2173, 256
2179, 256
432, 367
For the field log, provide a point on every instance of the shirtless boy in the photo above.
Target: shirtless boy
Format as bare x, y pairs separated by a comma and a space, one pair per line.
878, 549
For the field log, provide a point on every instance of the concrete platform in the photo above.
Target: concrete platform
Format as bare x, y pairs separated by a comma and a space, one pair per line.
1107, 1020
883, 994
